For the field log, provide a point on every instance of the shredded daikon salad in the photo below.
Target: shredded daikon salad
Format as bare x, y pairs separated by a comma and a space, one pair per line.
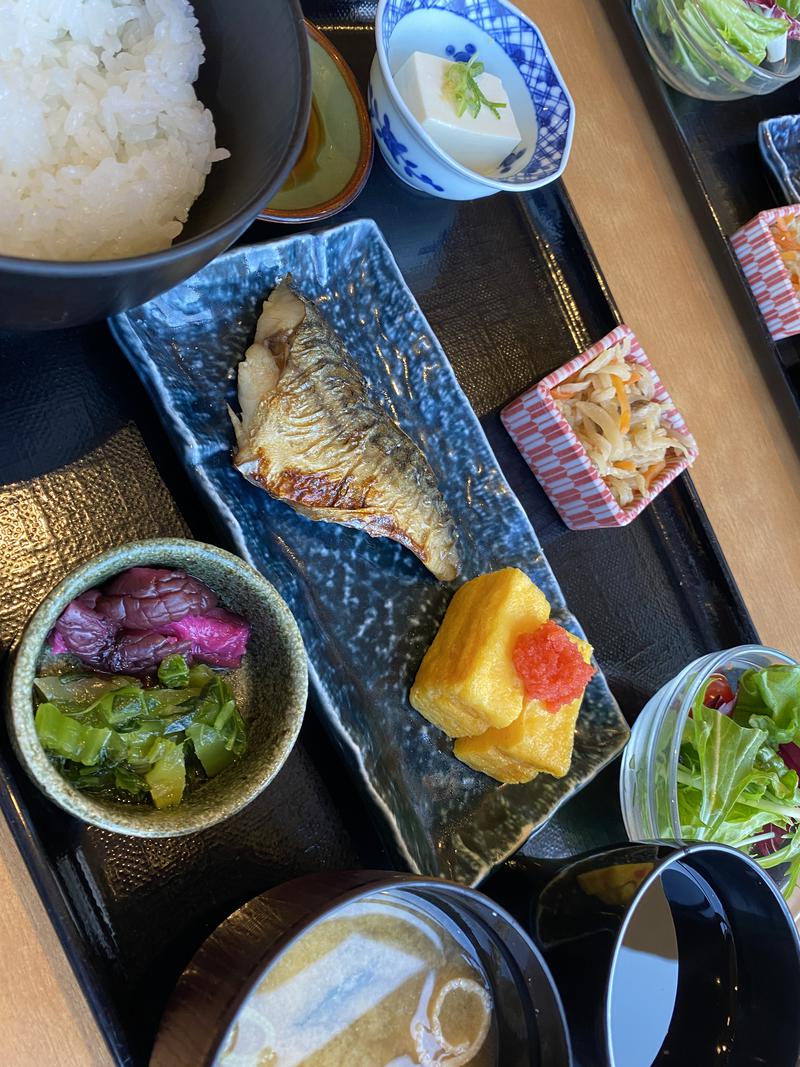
786, 232
611, 407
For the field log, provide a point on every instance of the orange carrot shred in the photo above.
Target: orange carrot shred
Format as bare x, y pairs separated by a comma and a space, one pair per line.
624, 406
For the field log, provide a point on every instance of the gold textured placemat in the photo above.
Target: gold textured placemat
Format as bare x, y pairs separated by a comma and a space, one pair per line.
50, 524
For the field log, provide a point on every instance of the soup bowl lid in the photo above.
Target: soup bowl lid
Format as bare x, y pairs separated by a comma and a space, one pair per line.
737, 949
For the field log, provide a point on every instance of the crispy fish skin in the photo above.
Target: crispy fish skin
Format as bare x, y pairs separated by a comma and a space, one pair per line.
311, 435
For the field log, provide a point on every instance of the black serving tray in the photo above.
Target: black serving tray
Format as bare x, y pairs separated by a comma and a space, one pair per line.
512, 290
714, 146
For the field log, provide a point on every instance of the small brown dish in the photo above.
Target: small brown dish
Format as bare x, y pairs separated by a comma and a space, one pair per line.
270, 686
336, 158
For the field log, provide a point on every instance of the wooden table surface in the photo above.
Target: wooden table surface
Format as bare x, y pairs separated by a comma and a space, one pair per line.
748, 475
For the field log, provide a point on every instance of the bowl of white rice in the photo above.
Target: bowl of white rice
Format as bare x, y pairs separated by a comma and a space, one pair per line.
138, 139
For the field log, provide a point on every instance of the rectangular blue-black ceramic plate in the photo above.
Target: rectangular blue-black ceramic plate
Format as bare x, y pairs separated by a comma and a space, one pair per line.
367, 608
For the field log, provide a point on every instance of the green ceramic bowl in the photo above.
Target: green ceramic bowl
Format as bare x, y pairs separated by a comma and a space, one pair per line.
271, 688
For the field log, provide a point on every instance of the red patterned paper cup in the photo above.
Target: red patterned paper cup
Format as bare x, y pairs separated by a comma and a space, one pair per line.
559, 460
766, 273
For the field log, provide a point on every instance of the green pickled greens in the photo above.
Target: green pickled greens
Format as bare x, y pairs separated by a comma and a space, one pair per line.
217, 732
166, 780
80, 687
121, 738
66, 737
173, 672
209, 748
733, 784
200, 674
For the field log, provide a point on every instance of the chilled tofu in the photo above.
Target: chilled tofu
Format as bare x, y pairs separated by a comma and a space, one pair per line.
467, 681
480, 143
538, 740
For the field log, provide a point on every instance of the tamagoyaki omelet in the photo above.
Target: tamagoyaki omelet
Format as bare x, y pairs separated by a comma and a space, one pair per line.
469, 683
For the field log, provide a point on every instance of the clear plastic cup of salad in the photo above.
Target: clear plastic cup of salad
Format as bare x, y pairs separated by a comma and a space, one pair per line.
686, 775
722, 50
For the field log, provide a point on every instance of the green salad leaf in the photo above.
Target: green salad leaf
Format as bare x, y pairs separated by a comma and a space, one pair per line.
726, 754
785, 780
741, 825
694, 37
732, 782
120, 736
746, 30
769, 700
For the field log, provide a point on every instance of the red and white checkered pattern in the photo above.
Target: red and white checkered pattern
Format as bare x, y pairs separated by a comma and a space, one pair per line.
766, 274
561, 463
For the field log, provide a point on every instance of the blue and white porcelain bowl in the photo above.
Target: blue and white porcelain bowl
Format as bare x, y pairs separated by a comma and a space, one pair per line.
513, 49
779, 142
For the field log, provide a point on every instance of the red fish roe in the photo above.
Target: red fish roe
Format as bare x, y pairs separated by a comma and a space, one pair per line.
551, 666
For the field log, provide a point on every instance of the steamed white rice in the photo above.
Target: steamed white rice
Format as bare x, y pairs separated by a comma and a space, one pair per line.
104, 145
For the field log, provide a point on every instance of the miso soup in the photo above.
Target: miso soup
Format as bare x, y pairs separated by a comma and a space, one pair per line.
384, 982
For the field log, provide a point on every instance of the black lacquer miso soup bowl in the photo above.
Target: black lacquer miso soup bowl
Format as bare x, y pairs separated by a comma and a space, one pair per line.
362, 968
675, 955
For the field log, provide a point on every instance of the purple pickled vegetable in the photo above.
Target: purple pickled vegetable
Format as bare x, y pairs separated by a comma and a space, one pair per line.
148, 598
145, 614
57, 643
217, 638
140, 651
83, 631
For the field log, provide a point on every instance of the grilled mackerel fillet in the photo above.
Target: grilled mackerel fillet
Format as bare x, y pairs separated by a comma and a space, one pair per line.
312, 436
